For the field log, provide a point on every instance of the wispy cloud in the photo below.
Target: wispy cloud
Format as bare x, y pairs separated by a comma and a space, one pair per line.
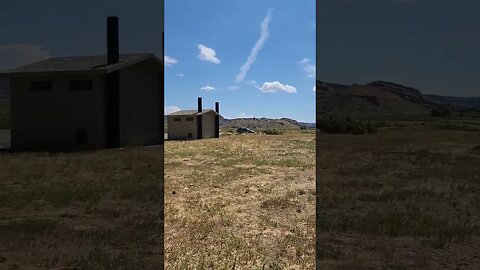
276, 86
179, 75
309, 69
233, 87
314, 88
303, 61
170, 60
208, 88
264, 34
207, 54
171, 109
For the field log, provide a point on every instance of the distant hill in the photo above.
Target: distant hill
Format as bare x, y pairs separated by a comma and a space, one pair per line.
264, 123
382, 99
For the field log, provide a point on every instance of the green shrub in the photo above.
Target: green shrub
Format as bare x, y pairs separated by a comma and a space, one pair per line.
440, 112
346, 126
273, 132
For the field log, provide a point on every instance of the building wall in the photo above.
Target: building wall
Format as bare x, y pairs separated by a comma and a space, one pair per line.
180, 130
140, 109
47, 120
208, 123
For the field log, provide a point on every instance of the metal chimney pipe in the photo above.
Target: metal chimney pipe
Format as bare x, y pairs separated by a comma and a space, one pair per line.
112, 40
217, 108
199, 104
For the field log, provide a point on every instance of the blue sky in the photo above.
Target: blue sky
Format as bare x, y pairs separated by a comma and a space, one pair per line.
432, 45
208, 42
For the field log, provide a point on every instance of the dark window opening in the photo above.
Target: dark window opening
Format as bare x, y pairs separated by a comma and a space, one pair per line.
81, 136
176, 119
189, 135
41, 86
189, 118
81, 85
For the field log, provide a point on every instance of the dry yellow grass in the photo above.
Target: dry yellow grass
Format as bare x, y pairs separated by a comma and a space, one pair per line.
240, 202
91, 210
405, 198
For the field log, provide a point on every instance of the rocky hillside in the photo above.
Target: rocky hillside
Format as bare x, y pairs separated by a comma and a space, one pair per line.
381, 99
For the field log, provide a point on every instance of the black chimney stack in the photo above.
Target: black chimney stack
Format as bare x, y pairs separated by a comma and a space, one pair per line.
217, 121
112, 40
199, 104
199, 120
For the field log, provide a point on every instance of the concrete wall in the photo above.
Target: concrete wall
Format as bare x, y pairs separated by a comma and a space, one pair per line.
47, 120
208, 123
140, 110
180, 130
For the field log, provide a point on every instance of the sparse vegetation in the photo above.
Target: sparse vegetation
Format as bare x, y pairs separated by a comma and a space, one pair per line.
440, 112
90, 210
273, 132
230, 200
411, 188
346, 126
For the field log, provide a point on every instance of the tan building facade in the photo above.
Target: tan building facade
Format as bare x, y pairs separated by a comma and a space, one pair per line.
194, 124
87, 102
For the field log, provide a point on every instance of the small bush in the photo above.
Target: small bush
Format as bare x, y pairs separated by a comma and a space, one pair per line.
347, 126
440, 112
273, 132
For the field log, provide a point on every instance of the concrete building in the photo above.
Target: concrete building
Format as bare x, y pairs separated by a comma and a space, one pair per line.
194, 124
88, 102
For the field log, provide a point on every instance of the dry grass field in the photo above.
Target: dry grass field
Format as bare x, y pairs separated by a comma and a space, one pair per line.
241, 202
404, 198
89, 210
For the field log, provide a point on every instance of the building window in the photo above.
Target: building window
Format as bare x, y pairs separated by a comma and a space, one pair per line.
176, 119
41, 86
81, 85
189, 118
81, 136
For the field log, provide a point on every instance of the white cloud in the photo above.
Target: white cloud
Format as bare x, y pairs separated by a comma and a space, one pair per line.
17, 55
276, 86
252, 82
233, 87
310, 70
170, 60
314, 88
179, 75
171, 109
244, 115
303, 61
264, 34
207, 54
208, 88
